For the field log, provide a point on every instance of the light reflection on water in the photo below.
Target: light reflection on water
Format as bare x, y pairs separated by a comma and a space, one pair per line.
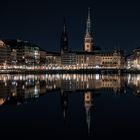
88, 93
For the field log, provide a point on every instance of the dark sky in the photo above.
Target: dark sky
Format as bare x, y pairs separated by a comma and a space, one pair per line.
114, 22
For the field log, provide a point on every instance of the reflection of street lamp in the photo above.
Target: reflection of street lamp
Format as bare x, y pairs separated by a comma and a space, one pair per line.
4, 65
97, 67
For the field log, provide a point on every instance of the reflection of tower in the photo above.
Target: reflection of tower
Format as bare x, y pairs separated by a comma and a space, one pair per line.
2, 101
64, 39
88, 44
88, 104
64, 104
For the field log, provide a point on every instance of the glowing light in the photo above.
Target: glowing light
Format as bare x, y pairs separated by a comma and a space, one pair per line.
97, 67
97, 76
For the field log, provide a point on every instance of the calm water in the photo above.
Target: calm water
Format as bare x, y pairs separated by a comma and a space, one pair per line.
70, 106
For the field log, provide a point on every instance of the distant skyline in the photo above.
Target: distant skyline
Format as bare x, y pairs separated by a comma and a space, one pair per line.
114, 23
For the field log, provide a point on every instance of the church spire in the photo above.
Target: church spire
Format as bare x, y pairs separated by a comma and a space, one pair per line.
88, 43
64, 39
65, 29
88, 28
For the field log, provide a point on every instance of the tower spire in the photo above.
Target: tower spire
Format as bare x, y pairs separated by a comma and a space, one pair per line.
64, 39
88, 28
88, 44
64, 30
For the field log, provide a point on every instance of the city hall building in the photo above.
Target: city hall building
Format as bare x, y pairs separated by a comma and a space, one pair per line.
91, 57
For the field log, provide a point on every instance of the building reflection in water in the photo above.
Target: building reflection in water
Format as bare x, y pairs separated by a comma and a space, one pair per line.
19, 89
88, 99
83, 82
133, 82
64, 104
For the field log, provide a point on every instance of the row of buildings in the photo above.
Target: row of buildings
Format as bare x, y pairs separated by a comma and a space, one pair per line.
90, 57
18, 55
133, 60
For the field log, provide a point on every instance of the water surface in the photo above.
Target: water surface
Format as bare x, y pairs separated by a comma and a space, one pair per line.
66, 106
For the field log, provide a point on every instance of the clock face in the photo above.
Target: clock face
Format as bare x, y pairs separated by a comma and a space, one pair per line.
65, 39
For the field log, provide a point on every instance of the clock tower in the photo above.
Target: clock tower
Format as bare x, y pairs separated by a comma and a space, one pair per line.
88, 41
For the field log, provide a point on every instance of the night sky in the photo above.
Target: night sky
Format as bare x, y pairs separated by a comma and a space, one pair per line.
115, 23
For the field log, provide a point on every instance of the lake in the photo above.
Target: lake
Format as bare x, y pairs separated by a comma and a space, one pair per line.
90, 106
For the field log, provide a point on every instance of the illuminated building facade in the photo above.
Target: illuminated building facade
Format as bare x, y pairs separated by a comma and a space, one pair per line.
90, 58
24, 56
68, 60
42, 62
129, 62
133, 60
4, 55
114, 59
53, 60
136, 58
